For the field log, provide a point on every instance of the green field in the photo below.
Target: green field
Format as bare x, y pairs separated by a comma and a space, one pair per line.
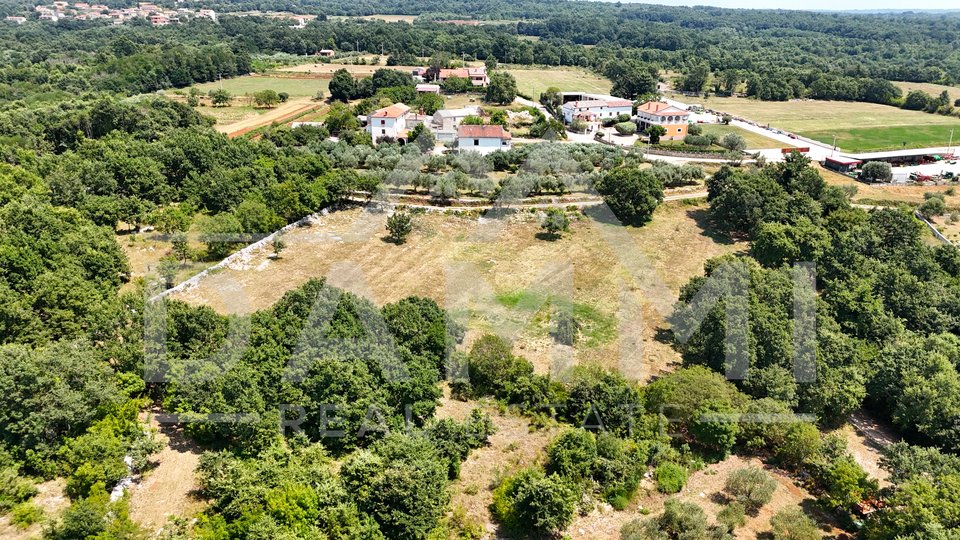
250, 84
531, 82
859, 127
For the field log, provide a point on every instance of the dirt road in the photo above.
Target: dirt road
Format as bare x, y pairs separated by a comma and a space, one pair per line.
286, 111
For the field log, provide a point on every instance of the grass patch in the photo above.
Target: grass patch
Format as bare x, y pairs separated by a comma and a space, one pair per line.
596, 328
26, 514
251, 84
886, 138
532, 82
823, 119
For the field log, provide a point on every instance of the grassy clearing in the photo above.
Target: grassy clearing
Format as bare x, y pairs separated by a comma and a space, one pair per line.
930, 88
858, 126
378, 17
620, 282
251, 84
532, 82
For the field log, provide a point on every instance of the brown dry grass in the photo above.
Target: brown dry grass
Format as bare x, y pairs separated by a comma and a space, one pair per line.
51, 498
888, 192
606, 270
144, 251
168, 488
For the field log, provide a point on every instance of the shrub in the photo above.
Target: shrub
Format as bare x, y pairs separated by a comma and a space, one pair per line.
494, 370
670, 478
625, 128
399, 226
732, 516
25, 515
792, 524
572, 454
565, 328
876, 171
750, 486
534, 502
555, 222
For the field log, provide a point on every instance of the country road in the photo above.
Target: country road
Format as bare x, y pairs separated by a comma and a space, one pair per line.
285, 111
579, 204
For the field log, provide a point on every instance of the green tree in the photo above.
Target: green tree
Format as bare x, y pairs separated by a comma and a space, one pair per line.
266, 98
342, 86
876, 171
220, 97
278, 245
168, 268
534, 502
734, 142
792, 524
625, 128
632, 194
750, 486
654, 132
670, 477
399, 226
502, 88
555, 222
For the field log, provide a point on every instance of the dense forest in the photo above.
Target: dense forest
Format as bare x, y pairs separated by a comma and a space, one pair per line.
90, 151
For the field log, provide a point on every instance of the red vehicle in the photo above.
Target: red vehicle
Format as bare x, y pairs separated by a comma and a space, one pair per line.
791, 135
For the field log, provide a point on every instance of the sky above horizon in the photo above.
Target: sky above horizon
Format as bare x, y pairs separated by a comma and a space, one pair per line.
833, 5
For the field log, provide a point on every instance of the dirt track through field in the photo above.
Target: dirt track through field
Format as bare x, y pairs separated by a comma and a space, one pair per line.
288, 110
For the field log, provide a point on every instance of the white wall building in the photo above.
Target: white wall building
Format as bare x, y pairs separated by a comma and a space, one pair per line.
388, 122
445, 122
596, 109
482, 139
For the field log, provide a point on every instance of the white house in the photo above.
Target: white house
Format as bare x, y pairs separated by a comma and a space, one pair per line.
596, 109
428, 88
388, 122
445, 122
482, 139
658, 113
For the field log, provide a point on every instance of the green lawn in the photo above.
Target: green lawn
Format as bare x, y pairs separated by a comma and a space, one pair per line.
531, 82
858, 126
886, 138
250, 84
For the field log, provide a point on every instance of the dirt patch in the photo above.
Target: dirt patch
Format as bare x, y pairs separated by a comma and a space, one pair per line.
497, 275
51, 498
866, 438
168, 489
280, 114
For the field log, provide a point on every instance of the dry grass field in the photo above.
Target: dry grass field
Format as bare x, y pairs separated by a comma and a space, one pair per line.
532, 82
498, 276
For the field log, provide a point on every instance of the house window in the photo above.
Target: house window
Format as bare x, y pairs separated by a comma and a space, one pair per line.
679, 130
383, 132
476, 142
382, 122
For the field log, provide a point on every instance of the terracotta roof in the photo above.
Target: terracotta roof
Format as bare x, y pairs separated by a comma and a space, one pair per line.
483, 132
659, 106
464, 73
394, 111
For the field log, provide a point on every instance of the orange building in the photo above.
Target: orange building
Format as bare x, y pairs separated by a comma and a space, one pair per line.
658, 113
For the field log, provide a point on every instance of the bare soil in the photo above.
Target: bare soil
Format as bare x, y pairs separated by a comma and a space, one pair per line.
51, 498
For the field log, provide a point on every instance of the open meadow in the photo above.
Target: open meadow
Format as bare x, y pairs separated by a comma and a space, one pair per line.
532, 82
248, 85
621, 281
859, 127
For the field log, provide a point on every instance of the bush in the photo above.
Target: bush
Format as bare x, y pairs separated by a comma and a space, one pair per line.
534, 502
625, 128
734, 142
555, 222
399, 226
670, 478
792, 524
750, 486
572, 454
631, 194
876, 171
732, 516
493, 368
565, 328
25, 515
697, 140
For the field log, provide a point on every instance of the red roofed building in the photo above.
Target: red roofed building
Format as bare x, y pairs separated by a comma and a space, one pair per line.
388, 122
482, 139
476, 75
658, 113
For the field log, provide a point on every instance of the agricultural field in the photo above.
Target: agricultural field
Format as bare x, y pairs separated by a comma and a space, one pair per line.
859, 127
930, 88
506, 262
531, 82
378, 17
251, 84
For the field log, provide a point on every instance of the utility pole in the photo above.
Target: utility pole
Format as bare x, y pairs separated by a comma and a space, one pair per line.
950, 144
834, 151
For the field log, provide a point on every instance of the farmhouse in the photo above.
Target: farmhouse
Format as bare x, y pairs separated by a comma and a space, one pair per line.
596, 108
476, 75
482, 139
326, 53
658, 113
388, 122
